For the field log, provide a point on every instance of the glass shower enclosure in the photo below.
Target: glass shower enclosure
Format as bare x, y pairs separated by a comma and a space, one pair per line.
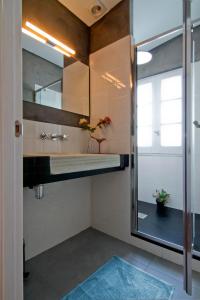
166, 128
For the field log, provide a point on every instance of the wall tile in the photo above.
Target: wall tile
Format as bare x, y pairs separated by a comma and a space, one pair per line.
111, 68
76, 143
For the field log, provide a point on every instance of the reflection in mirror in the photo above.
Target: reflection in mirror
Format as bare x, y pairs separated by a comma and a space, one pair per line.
51, 80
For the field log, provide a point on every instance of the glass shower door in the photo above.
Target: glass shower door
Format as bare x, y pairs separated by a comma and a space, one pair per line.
196, 126
158, 115
159, 141
167, 134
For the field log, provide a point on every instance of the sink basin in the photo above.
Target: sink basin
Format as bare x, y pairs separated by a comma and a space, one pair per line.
61, 164
49, 167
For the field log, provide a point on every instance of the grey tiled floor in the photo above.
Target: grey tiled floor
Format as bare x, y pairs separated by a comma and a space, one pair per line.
58, 270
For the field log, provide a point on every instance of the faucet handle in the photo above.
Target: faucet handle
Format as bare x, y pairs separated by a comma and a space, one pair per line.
65, 137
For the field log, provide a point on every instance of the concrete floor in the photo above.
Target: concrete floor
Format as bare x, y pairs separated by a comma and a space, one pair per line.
56, 271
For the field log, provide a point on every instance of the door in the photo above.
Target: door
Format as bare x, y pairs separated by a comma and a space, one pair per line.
158, 124
167, 129
11, 184
195, 131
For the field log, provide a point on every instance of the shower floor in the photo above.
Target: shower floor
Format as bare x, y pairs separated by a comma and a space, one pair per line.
168, 227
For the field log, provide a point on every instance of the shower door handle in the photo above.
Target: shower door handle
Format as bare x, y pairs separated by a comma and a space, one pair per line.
196, 124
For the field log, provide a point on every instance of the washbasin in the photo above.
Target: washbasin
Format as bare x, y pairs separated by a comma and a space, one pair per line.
49, 167
62, 163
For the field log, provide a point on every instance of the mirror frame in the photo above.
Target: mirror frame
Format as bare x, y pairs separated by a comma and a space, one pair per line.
47, 114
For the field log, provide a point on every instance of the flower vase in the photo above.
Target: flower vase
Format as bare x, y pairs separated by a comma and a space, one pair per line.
99, 141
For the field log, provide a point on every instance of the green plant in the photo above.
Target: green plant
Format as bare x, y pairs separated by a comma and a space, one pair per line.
161, 196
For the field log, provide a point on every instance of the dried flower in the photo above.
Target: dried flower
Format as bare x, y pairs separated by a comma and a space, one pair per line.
84, 123
105, 122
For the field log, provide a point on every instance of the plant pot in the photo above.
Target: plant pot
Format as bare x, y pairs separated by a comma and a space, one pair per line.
161, 208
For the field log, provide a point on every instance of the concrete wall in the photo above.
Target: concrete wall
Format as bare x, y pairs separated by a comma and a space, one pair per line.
37, 70
168, 56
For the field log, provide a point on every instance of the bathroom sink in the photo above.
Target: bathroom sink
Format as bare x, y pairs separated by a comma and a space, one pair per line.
68, 163
82, 162
49, 167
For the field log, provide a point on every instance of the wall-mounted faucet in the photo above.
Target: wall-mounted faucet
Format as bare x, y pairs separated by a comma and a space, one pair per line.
53, 136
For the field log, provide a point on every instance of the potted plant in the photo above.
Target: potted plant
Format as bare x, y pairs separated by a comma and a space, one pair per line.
161, 199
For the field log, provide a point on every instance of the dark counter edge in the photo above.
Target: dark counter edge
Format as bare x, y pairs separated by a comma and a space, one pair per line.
42, 113
33, 176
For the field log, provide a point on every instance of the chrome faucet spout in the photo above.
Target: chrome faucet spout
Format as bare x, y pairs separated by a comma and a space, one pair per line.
62, 137
53, 136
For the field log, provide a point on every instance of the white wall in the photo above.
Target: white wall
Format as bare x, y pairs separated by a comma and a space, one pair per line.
107, 99
161, 171
66, 208
111, 199
76, 88
76, 143
63, 212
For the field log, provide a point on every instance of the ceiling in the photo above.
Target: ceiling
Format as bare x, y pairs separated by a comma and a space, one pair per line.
153, 17
150, 17
81, 8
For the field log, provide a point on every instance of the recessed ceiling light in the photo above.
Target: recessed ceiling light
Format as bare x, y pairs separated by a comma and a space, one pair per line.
143, 57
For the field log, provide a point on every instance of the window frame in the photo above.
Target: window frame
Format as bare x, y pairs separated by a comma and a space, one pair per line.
156, 147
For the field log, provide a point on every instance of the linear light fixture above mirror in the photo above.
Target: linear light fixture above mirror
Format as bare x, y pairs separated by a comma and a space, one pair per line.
44, 37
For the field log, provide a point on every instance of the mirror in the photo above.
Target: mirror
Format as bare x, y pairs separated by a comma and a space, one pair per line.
52, 79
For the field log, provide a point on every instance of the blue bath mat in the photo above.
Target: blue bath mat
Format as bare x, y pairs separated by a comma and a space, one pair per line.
119, 280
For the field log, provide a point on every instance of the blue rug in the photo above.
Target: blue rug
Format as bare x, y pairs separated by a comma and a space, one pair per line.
119, 280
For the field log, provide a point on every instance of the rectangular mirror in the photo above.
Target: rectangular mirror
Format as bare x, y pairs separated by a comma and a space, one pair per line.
55, 52
50, 79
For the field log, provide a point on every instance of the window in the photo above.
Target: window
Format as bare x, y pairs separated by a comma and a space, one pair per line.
171, 112
159, 113
144, 96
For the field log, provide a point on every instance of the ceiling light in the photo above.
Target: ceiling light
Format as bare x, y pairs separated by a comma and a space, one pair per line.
50, 39
33, 35
143, 57
61, 51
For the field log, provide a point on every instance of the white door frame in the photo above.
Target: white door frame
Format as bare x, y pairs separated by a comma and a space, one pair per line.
11, 175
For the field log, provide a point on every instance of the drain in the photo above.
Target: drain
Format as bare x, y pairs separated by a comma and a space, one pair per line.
142, 215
